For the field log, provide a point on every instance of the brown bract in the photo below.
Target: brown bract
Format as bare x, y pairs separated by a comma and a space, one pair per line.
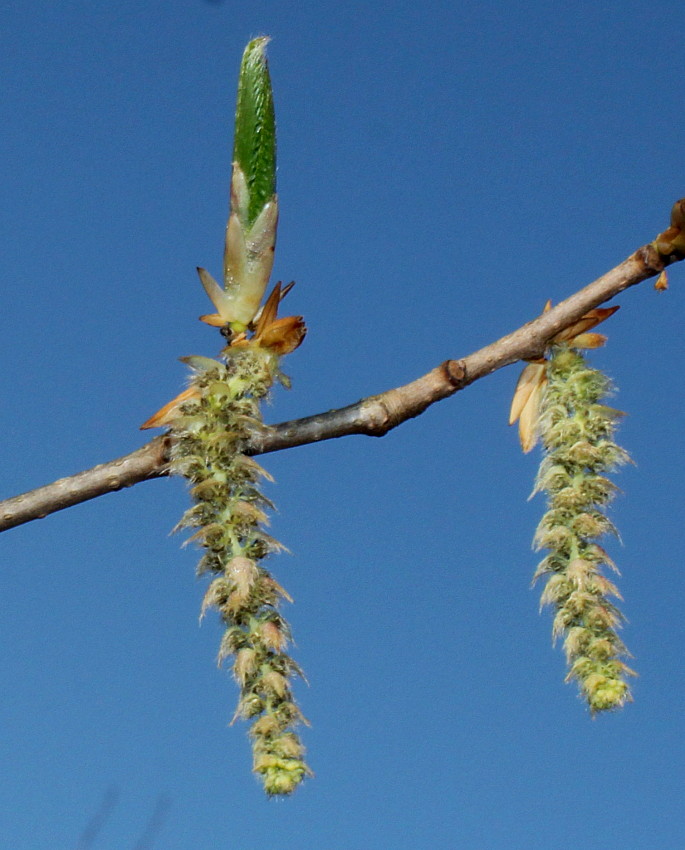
672, 241
278, 335
661, 283
166, 415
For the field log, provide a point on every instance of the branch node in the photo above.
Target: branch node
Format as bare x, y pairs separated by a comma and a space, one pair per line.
455, 373
381, 413
652, 260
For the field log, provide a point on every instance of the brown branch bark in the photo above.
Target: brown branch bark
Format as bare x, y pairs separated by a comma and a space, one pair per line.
372, 416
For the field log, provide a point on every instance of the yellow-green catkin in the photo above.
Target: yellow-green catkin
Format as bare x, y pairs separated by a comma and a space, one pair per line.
577, 432
229, 514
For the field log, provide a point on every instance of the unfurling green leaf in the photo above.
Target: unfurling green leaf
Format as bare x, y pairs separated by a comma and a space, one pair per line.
254, 147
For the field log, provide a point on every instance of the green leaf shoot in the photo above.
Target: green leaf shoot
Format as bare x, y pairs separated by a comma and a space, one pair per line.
254, 147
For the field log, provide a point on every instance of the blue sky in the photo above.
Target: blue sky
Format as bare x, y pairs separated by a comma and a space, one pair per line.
444, 168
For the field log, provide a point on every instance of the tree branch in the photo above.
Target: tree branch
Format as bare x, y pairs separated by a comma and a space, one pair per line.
372, 416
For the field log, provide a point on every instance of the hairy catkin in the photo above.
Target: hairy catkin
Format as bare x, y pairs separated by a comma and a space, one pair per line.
577, 431
229, 518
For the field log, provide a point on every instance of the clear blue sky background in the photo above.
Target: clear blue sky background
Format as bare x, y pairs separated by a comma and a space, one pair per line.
444, 168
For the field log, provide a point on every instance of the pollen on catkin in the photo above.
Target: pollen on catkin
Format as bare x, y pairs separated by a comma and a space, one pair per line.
577, 433
229, 518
